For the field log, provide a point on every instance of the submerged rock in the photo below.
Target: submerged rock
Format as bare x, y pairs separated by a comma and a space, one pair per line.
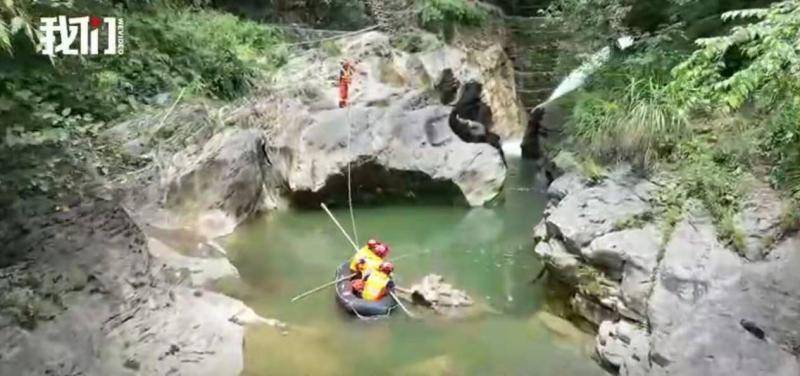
434, 292
435, 366
564, 330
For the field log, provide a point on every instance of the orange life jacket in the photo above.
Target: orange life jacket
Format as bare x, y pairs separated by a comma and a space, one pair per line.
371, 261
346, 74
375, 286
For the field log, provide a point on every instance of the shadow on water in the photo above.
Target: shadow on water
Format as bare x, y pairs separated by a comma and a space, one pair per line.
485, 251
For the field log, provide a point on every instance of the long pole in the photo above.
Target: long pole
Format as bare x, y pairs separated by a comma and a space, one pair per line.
309, 292
411, 315
322, 204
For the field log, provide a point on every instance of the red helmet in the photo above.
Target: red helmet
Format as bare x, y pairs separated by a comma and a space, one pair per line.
381, 250
372, 243
387, 267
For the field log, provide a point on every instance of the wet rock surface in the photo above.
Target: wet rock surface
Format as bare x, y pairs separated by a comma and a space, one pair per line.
687, 305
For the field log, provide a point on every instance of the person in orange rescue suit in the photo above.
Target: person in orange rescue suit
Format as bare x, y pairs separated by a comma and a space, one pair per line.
368, 257
346, 73
378, 283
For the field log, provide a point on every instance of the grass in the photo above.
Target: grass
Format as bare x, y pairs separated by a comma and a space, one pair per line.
592, 282
594, 171
732, 235
634, 221
443, 16
669, 204
639, 124
790, 218
331, 48
708, 117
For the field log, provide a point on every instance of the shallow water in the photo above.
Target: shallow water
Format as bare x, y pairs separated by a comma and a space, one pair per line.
487, 252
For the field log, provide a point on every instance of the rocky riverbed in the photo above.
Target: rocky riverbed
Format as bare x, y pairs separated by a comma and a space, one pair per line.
674, 300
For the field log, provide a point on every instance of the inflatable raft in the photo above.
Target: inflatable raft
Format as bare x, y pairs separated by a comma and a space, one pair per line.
357, 306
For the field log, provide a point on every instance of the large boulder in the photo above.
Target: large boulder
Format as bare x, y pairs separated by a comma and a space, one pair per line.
385, 74
226, 174
687, 306
624, 346
382, 144
594, 210
630, 256
198, 176
416, 121
712, 314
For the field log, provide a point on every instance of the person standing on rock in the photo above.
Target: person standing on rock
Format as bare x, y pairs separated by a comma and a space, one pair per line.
346, 73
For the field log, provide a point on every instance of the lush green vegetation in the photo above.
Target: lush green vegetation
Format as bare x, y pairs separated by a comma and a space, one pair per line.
54, 110
443, 16
712, 111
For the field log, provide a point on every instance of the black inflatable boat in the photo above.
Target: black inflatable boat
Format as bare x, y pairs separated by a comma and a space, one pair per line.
357, 306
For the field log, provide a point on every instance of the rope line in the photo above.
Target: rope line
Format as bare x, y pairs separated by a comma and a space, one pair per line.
349, 179
333, 37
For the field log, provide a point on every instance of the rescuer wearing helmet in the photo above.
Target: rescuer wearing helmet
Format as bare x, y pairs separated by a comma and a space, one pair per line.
381, 250
367, 258
378, 282
345, 79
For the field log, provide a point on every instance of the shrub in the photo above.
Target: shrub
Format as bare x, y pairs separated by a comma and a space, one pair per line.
770, 70
443, 16
52, 110
640, 124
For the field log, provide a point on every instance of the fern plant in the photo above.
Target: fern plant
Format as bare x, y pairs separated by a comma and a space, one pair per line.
772, 69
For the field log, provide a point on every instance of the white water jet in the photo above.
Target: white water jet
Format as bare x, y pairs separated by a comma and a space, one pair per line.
577, 78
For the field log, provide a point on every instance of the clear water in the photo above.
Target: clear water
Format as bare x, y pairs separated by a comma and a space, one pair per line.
486, 252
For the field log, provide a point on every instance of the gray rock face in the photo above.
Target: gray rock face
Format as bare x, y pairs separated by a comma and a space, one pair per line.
624, 346
226, 174
708, 306
688, 307
631, 256
591, 309
591, 212
394, 140
565, 184
116, 313
760, 220
558, 259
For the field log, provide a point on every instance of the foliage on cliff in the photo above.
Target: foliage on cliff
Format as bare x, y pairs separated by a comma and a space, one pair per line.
711, 111
54, 110
444, 15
